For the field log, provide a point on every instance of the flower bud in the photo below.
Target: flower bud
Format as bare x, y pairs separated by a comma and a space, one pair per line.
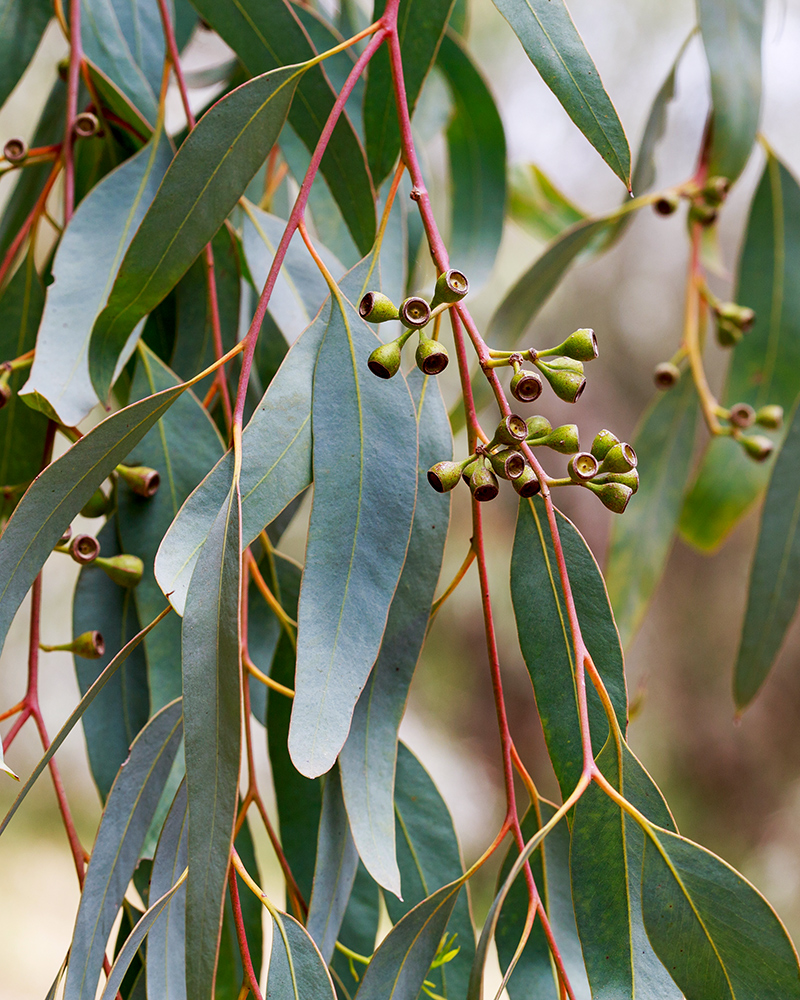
527, 484
141, 479
511, 430
126, 570
385, 360
770, 416
376, 307
603, 442
582, 467
96, 505
667, 203
451, 287
614, 496
629, 479
85, 125
89, 645
562, 439
508, 463
84, 549
414, 312
619, 458
538, 428
757, 446
526, 386
444, 476
483, 484
742, 415
431, 356
15, 150
579, 346
565, 376
666, 375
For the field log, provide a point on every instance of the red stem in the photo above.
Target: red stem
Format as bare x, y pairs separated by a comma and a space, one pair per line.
73, 81
27, 225
241, 936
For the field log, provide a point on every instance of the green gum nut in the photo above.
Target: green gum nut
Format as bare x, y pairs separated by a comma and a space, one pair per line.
565, 376
469, 468
385, 360
614, 496
580, 346
603, 442
715, 190
89, 645
564, 439
667, 204
141, 479
483, 484
582, 467
538, 429
444, 476
451, 287
376, 307
742, 415
527, 485
619, 458
508, 463
511, 430
414, 312
526, 386
431, 356
96, 505
728, 334
770, 416
757, 446
125, 570
84, 549
742, 317
629, 479
666, 375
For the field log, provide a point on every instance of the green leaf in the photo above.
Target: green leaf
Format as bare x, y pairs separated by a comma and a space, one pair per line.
731, 32
365, 476
536, 204
296, 968
335, 870
130, 807
144, 521
22, 24
641, 540
552, 43
112, 722
545, 638
211, 692
765, 367
113, 100
428, 856
266, 34
22, 430
95, 239
165, 942
421, 25
476, 145
368, 757
58, 493
775, 575
711, 928
210, 172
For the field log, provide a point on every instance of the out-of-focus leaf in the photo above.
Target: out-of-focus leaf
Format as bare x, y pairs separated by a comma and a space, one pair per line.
126, 818
552, 43
711, 928
421, 26
775, 576
358, 931
731, 32
536, 204
365, 476
545, 638
266, 35
211, 692
476, 146
144, 520
111, 724
296, 968
96, 238
22, 430
210, 172
765, 367
22, 24
641, 540
335, 871
428, 856
367, 760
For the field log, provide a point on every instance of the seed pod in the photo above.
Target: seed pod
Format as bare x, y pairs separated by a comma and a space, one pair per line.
770, 416
666, 375
126, 570
15, 150
431, 356
89, 645
385, 360
614, 496
141, 479
526, 386
715, 190
511, 430
469, 468
508, 463
483, 484
565, 376
527, 484
579, 346
562, 439
667, 204
603, 442
451, 287
582, 467
728, 333
538, 428
741, 316
757, 446
444, 476
96, 505
376, 307
84, 549
742, 415
619, 458
66, 536
85, 125
629, 479
414, 312
705, 214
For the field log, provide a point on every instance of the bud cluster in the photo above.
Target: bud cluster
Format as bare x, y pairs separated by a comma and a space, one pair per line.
608, 469
561, 367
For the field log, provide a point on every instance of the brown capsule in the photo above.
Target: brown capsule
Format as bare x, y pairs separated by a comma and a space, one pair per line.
84, 549
85, 125
15, 150
742, 415
666, 375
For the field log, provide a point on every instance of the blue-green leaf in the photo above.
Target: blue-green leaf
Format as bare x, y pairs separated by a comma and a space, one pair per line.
296, 968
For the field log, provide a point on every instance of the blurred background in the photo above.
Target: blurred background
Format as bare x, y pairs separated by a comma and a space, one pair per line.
733, 786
